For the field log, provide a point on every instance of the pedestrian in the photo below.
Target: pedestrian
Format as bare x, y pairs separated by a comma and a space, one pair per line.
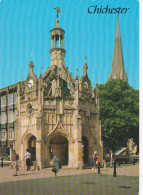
14, 164
98, 159
111, 158
56, 164
13, 160
98, 163
28, 159
94, 161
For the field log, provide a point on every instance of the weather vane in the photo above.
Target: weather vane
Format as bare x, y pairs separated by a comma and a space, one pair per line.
58, 10
31, 56
97, 80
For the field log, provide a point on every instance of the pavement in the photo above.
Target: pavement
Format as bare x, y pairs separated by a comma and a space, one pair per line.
6, 174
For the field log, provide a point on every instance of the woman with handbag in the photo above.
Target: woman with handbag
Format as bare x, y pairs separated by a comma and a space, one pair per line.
56, 164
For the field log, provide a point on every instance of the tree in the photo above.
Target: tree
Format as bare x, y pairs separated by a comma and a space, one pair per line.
119, 113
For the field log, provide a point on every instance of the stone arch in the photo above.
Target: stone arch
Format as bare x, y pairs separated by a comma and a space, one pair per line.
27, 134
26, 143
59, 146
85, 149
32, 147
92, 146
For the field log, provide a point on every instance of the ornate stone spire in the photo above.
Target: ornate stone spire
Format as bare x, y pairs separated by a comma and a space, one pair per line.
57, 50
85, 67
118, 70
31, 66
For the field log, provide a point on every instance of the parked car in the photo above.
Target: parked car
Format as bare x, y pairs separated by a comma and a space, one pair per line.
123, 156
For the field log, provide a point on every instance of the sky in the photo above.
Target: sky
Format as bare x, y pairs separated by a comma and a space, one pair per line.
25, 29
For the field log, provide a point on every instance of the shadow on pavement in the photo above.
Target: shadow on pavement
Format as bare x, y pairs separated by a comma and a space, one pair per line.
27, 174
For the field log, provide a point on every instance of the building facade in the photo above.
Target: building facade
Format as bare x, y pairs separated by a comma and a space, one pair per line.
8, 107
55, 114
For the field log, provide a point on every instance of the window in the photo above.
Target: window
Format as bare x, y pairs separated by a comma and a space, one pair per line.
15, 98
11, 116
11, 135
3, 117
3, 135
3, 101
10, 99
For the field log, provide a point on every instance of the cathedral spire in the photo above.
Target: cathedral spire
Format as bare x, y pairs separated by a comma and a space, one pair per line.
118, 70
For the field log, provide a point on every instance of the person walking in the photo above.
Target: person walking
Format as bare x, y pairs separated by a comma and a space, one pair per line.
94, 161
56, 163
14, 164
13, 159
28, 159
111, 158
98, 163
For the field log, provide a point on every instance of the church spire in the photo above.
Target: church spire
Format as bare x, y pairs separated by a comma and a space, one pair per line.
118, 70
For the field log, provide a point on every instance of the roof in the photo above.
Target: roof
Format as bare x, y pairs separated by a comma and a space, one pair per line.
120, 151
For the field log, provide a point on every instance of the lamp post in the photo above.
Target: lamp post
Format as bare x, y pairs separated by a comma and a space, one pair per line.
2, 157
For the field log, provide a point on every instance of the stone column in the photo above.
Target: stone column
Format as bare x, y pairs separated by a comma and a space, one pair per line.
75, 155
46, 155
59, 41
22, 155
54, 41
38, 153
71, 156
51, 42
63, 42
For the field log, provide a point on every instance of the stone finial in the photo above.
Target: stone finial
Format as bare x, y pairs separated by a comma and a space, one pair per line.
57, 23
85, 67
31, 65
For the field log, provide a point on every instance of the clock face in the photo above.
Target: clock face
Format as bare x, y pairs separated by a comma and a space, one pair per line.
30, 83
85, 85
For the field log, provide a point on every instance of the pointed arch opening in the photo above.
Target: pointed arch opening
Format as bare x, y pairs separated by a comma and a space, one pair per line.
58, 145
85, 149
66, 89
32, 147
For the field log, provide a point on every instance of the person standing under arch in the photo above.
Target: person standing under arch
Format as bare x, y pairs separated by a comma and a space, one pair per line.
28, 159
56, 163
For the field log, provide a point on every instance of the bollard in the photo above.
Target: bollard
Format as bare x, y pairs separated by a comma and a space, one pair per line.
2, 162
114, 168
98, 168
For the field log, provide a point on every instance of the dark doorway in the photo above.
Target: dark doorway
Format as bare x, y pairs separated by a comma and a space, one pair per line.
85, 149
32, 147
59, 147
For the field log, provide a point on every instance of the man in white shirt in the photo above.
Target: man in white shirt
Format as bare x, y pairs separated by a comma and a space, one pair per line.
28, 161
111, 159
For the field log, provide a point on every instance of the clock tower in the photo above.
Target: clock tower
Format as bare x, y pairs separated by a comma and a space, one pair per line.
85, 84
31, 83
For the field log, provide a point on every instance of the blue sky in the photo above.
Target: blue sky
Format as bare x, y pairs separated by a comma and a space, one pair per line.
25, 28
